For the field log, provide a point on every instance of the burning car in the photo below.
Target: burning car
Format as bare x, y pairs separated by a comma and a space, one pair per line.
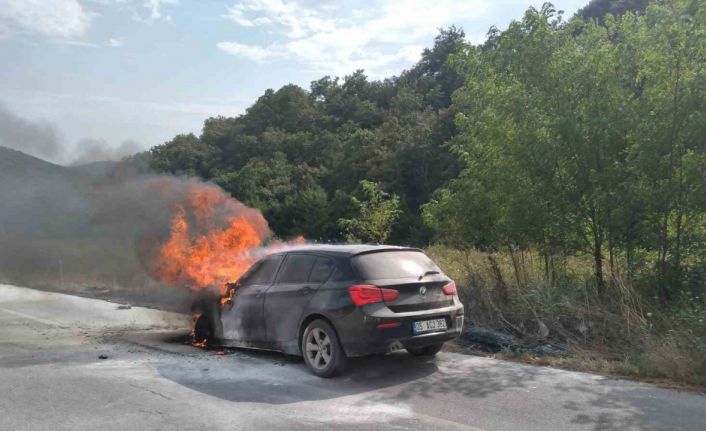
329, 303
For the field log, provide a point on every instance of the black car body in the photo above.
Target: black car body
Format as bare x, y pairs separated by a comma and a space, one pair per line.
370, 298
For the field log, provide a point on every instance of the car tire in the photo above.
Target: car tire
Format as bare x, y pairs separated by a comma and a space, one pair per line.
426, 351
202, 330
322, 349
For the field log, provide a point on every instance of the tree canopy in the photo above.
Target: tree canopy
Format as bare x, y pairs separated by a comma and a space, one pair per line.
582, 136
571, 136
300, 155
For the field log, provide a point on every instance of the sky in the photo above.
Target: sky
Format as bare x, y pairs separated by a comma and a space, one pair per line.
103, 78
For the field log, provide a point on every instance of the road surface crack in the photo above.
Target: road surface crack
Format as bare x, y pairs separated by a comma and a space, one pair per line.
151, 391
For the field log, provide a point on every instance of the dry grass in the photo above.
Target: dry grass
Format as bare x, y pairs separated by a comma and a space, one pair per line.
618, 332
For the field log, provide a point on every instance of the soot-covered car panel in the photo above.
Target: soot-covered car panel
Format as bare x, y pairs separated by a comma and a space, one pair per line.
327, 303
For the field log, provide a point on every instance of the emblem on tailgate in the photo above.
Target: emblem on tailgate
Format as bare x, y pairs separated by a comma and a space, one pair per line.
423, 290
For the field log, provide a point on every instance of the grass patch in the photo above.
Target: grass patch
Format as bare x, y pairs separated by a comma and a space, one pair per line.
621, 331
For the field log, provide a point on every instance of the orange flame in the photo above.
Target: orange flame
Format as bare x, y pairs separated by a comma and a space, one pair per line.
211, 240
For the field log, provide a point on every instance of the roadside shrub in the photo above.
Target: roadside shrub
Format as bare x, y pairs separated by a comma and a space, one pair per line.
620, 330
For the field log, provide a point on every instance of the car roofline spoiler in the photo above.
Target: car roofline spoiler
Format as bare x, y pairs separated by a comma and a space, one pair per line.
384, 249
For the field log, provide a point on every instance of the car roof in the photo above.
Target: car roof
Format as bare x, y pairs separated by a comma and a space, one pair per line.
348, 249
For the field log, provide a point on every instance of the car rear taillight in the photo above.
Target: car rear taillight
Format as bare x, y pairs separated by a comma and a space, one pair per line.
363, 294
386, 325
449, 288
389, 295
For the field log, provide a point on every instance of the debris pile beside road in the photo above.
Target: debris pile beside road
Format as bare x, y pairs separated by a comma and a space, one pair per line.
490, 340
494, 340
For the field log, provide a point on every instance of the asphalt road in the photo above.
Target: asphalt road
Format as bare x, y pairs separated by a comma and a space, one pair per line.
51, 378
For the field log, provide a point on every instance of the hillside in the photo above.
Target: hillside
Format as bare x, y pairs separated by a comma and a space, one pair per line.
74, 229
15, 163
38, 197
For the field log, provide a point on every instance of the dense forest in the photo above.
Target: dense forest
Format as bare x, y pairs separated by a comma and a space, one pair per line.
300, 155
579, 139
579, 135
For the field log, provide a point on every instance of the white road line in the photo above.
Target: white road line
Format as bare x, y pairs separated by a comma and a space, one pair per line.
35, 318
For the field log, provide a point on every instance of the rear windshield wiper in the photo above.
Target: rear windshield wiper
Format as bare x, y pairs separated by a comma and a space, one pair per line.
432, 272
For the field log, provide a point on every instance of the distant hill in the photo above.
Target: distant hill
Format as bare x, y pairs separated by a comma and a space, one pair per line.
15, 163
69, 229
38, 196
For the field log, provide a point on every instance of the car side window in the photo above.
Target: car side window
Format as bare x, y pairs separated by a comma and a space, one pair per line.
343, 272
246, 279
296, 268
263, 272
322, 269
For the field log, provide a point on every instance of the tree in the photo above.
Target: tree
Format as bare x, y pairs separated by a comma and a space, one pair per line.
669, 150
293, 145
289, 109
583, 141
375, 216
433, 76
598, 9
183, 154
287, 194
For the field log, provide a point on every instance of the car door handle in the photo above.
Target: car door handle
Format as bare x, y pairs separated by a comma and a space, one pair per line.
305, 290
259, 292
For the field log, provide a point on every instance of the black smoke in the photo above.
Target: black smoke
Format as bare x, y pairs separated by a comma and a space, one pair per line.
39, 138
63, 228
44, 140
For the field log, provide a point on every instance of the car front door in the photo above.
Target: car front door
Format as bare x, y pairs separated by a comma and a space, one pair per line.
243, 317
300, 276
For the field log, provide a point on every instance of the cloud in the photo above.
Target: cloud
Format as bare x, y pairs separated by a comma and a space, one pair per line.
330, 40
115, 43
297, 21
63, 19
154, 8
73, 42
253, 52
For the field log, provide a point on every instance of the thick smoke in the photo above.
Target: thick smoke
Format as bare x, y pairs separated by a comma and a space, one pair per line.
44, 140
96, 150
64, 228
38, 138
92, 226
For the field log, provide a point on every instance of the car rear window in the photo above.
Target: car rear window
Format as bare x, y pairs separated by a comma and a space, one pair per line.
393, 264
322, 269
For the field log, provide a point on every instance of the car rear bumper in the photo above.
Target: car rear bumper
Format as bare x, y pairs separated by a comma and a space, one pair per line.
375, 332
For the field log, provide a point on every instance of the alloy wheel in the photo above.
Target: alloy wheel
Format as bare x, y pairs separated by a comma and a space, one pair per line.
318, 348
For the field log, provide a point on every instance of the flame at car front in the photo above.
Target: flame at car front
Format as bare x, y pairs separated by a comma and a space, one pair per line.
211, 241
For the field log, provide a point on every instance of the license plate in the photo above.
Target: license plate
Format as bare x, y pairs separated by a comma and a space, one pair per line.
429, 326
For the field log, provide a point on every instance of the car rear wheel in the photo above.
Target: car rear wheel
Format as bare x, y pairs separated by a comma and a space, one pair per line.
322, 350
427, 351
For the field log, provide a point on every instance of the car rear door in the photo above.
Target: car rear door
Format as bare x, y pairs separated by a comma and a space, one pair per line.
243, 317
297, 281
